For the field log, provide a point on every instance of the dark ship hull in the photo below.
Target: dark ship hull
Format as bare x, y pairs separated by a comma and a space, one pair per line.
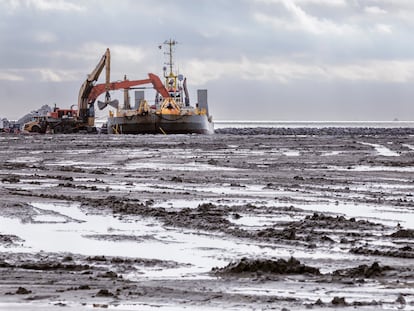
160, 124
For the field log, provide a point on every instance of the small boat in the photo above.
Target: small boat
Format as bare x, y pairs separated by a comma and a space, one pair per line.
171, 112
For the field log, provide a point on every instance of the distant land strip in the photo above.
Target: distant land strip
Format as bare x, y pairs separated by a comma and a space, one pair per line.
332, 131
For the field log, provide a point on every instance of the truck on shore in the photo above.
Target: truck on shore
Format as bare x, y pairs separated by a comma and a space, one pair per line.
58, 121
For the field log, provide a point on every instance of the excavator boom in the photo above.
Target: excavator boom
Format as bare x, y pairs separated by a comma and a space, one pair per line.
99, 89
89, 92
88, 85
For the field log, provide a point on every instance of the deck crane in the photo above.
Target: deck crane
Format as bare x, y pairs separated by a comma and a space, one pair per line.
89, 92
126, 84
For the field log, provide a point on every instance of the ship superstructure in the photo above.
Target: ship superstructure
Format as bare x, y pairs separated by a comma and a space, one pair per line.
170, 112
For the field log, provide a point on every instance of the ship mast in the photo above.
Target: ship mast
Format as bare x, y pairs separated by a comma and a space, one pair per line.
170, 63
171, 78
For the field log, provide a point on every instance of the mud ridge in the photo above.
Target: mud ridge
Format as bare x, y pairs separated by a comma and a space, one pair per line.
9, 240
403, 252
363, 271
267, 266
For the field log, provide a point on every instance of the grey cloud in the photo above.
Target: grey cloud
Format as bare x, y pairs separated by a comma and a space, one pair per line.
66, 40
303, 101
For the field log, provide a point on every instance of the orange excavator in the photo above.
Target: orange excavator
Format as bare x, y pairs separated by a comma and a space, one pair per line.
70, 121
89, 92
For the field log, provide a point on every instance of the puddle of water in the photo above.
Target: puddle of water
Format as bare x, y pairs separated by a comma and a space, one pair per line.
248, 190
291, 153
376, 213
70, 306
387, 191
158, 306
259, 191
202, 251
411, 147
9, 137
136, 187
25, 185
388, 215
93, 164
190, 166
260, 221
80, 151
179, 204
72, 237
382, 150
28, 159
38, 306
331, 153
49, 219
366, 168
312, 292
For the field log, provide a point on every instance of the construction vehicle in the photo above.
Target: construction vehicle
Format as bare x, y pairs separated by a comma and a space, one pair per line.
89, 92
65, 121
85, 104
57, 121
72, 120
36, 125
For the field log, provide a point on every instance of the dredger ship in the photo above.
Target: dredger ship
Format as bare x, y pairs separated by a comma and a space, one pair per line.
170, 113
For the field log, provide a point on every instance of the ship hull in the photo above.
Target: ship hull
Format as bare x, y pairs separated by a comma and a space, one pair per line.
160, 124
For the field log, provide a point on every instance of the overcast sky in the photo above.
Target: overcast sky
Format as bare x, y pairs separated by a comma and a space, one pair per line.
259, 59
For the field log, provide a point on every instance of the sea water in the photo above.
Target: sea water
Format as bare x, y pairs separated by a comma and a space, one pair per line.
311, 124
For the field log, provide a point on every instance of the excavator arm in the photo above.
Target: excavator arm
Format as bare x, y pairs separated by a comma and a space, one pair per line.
99, 89
89, 92
88, 85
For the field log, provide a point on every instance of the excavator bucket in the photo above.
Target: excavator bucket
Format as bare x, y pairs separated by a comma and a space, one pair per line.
101, 105
113, 103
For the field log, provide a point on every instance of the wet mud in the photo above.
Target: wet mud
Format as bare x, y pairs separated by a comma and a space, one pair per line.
280, 266
246, 219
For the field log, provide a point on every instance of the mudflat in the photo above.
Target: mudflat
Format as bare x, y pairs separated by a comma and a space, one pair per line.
239, 220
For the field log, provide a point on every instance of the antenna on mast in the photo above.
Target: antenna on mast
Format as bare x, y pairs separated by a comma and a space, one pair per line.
170, 43
170, 78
